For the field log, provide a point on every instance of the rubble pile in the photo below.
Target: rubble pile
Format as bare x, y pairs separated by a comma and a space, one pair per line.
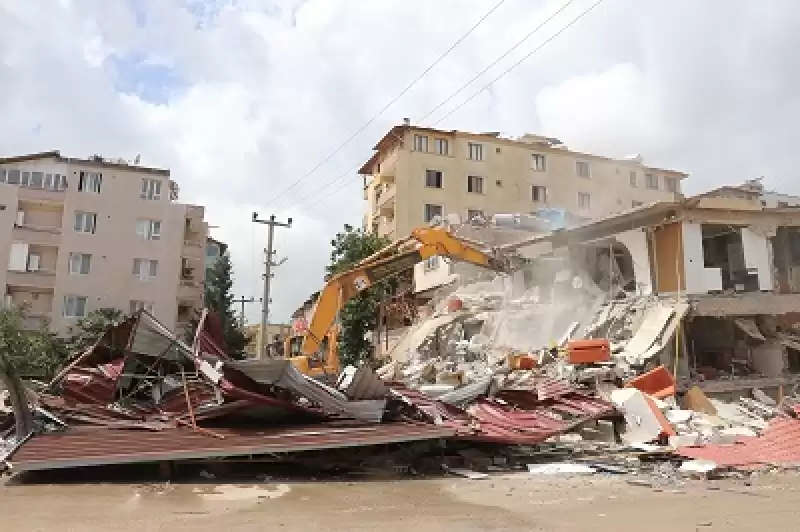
580, 369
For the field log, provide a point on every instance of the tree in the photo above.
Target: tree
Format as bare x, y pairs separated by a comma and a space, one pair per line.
219, 298
359, 315
91, 327
33, 352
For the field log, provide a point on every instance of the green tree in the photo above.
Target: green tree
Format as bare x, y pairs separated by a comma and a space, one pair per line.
219, 298
91, 327
359, 315
33, 352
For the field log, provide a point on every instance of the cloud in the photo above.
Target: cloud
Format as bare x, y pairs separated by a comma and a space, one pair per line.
241, 98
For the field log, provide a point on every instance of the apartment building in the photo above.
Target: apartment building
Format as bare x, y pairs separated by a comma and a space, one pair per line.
82, 234
417, 174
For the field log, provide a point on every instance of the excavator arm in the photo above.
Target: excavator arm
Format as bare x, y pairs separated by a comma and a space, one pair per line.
398, 257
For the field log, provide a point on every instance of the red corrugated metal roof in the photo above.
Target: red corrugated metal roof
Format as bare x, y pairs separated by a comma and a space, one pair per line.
778, 444
519, 418
94, 446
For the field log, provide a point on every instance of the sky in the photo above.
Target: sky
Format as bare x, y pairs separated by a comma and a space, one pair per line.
244, 99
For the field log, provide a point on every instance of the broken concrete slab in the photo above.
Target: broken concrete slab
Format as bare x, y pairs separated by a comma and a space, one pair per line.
644, 421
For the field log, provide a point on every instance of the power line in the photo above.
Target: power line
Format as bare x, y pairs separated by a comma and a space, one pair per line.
521, 60
475, 94
493, 63
391, 102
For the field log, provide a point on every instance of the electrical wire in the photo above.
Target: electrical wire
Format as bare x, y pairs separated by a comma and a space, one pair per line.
389, 104
470, 98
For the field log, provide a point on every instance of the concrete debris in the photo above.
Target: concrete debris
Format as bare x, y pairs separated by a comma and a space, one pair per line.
561, 468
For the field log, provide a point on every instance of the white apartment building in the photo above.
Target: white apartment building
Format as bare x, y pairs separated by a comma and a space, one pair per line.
82, 234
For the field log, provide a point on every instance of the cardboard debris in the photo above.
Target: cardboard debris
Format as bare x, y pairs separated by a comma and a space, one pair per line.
696, 400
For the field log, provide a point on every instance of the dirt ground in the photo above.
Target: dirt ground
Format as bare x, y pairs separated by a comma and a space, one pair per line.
516, 501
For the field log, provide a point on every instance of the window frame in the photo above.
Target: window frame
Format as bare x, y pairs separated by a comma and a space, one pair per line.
477, 154
81, 256
149, 233
651, 181
587, 205
479, 181
426, 210
581, 164
439, 143
633, 180
75, 300
84, 214
534, 189
151, 189
431, 263
152, 269
90, 182
472, 213
535, 159
671, 184
420, 141
438, 178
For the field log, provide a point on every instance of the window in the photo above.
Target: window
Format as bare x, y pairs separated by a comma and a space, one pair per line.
13, 177
420, 143
442, 146
148, 229
2, 175
136, 306
671, 184
151, 189
499, 183
538, 162
474, 213
431, 263
582, 169
90, 182
584, 201
37, 179
475, 151
538, 194
145, 269
53, 181
26, 178
632, 179
651, 181
433, 211
80, 263
475, 184
85, 222
433, 178
782, 204
635, 204
74, 306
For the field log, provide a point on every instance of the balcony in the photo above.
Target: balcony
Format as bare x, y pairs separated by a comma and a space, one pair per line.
387, 195
42, 236
39, 279
41, 195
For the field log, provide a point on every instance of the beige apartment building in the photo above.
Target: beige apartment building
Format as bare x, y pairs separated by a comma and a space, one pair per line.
417, 174
82, 234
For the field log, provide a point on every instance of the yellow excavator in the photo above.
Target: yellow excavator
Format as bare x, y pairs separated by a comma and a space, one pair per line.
318, 356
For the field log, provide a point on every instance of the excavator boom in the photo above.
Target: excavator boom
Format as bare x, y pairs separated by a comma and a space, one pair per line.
398, 257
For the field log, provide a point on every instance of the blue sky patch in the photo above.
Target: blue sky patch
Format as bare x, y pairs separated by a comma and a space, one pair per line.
150, 81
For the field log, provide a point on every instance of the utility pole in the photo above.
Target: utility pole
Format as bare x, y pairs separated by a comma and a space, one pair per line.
242, 300
268, 264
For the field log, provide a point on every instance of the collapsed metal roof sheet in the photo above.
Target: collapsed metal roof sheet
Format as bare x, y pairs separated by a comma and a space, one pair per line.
94, 447
778, 444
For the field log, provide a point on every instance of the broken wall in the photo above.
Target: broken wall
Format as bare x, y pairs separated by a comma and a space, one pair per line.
636, 243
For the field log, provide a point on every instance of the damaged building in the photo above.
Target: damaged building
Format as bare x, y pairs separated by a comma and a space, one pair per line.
720, 271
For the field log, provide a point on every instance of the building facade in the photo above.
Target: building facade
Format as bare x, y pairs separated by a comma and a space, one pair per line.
417, 174
82, 234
